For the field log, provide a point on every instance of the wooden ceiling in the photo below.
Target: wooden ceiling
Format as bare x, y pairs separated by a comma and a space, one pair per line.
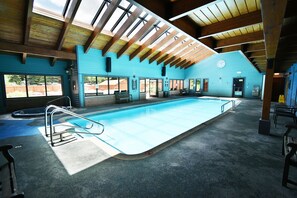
228, 25
178, 33
28, 28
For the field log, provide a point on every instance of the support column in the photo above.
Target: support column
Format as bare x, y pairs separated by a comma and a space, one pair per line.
264, 122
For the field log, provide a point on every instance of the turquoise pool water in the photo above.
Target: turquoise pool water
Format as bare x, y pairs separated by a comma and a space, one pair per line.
136, 130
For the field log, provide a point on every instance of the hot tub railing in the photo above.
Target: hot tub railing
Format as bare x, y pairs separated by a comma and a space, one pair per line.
223, 105
72, 129
62, 97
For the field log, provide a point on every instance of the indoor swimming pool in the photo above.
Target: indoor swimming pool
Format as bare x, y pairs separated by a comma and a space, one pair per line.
137, 130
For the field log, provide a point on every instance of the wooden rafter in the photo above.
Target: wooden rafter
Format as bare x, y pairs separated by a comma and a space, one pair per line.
158, 45
122, 30
102, 22
137, 36
66, 25
273, 15
27, 27
258, 54
232, 48
149, 41
36, 51
231, 24
181, 53
171, 46
189, 55
239, 40
176, 50
253, 47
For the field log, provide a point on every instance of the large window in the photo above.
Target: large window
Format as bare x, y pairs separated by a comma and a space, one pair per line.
176, 84
160, 85
198, 85
191, 84
205, 84
142, 86
17, 86
101, 85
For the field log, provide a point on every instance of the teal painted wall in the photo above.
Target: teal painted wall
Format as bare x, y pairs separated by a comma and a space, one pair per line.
291, 85
12, 64
93, 63
221, 79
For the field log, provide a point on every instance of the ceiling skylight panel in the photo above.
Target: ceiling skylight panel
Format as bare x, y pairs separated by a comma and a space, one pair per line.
50, 8
161, 37
87, 11
124, 4
114, 18
134, 30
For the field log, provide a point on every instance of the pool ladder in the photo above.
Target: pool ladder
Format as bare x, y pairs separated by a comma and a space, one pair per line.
223, 105
70, 128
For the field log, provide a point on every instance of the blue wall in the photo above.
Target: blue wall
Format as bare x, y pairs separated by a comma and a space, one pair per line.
93, 63
291, 85
11, 64
221, 79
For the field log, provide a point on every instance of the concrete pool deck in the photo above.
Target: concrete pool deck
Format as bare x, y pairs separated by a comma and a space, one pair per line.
226, 158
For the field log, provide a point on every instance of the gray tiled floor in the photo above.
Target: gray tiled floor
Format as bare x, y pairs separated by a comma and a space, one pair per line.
226, 158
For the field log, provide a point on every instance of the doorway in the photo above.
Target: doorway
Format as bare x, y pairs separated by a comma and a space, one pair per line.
153, 88
238, 85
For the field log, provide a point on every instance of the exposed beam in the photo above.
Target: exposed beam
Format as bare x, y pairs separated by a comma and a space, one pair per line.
232, 48
68, 21
181, 53
258, 54
137, 36
122, 30
171, 46
273, 12
27, 26
149, 41
253, 47
102, 22
36, 51
195, 52
178, 49
231, 24
158, 45
239, 40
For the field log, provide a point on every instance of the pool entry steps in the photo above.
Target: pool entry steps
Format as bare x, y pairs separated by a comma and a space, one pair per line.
63, 133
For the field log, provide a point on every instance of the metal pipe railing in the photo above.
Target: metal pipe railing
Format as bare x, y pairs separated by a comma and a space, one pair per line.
69, 100
223, 105
59, 109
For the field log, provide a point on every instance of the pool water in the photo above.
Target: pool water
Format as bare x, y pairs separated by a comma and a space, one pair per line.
137, 130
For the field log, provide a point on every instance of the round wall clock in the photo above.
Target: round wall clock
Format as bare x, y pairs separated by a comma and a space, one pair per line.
221, 64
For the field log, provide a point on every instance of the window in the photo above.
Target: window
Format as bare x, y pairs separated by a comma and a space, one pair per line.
160, 85
205, 84
142, 86
101, 85
198, 85
191, 84
32, 86
53, 85
15, 86
176, 84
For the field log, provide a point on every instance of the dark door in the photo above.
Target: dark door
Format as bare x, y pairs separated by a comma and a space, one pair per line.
238, 85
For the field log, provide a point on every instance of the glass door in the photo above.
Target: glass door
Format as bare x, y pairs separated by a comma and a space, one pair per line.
153, 87
238, 85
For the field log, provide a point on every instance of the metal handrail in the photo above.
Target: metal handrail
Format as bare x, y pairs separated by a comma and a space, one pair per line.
223, 105
69, 100
59, 109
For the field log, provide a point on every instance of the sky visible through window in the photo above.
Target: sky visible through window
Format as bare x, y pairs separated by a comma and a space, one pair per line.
54, 6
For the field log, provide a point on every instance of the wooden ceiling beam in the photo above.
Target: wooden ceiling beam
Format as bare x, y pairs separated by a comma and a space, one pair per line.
102, 22
158, 45
195, 52
231, 24
175, 51
258, 54
27, 26
130, 20
66, 26
36, 51
149, 41
230, 49
182, 53
171, 46
239, 40
137, 36
272, 16
253, 47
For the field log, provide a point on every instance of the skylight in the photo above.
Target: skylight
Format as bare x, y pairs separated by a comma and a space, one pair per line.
53, 7
87, 11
